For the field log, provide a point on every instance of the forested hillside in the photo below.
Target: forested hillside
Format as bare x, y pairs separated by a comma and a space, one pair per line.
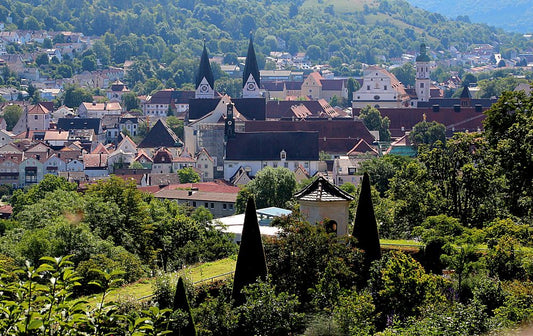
510, 15
355, 30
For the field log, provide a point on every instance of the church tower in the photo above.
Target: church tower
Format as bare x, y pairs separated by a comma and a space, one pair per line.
422, 82
250, 77
205, 82
229, 123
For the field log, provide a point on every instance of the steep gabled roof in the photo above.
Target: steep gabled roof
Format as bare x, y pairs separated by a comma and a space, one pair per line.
95, 160
257, 146
68, 124
160, 135
142, 154
205, 70
336, 132
332, 84
163, 155
100, 149
38, 109
127, 142
466, 93
322, 191
251, 67
362, 147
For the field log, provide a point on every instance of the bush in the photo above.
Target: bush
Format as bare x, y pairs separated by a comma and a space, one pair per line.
354, 314
401, 288
267, 312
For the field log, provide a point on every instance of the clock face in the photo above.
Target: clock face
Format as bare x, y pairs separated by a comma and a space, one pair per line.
250, 86
204, 88
230, 122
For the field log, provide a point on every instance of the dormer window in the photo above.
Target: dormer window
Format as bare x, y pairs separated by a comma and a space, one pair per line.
283, 155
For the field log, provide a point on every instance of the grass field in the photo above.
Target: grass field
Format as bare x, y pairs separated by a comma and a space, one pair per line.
209, 270
144, 287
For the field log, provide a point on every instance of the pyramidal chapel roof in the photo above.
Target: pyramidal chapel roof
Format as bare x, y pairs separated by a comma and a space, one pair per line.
322, 191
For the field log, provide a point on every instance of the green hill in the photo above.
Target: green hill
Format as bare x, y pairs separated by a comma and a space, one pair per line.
352, 29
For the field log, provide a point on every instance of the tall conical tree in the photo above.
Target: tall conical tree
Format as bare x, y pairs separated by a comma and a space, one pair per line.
365, 227
251, 261
181, 302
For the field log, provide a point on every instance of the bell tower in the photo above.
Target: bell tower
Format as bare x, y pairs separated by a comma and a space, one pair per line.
422, 81
250, 77
205, 82
229, 124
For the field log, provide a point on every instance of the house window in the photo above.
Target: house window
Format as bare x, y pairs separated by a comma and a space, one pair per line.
224, 206
36, 117
230, 206
306, 165
194, 204
206, 205
385, 87
275, 164
368, 87
283, 155
421, 85
212, 205
286, 164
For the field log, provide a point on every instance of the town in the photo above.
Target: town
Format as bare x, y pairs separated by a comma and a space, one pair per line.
265, 167
96, 139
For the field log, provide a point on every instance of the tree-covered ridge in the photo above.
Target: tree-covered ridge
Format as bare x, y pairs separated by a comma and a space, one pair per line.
354, 31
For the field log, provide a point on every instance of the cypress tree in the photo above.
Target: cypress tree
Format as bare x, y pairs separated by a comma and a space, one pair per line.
365, 227
251, 261
181, 302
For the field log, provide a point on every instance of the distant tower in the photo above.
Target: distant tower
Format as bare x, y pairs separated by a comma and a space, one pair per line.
250, 76
205, 82
422, 75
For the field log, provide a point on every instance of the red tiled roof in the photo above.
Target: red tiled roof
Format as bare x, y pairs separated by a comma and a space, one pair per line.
95, 160
38, 109
6, 209
100, 149
329, 129
149, 189
362, 147
466, 119
293, 86
283, 108
205, 187
273, 86
332, 84
317, 77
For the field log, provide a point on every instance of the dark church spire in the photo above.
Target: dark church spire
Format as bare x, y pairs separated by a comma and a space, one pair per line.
250, 76
251, 67
205, 81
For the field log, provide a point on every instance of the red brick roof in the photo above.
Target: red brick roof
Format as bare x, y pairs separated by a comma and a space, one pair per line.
466, 119
95, 160
205, 187
333, 84
329, 129
362, 147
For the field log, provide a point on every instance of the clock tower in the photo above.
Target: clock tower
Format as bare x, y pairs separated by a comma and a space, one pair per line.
229, 124
205, 82
250, 77
422, 81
